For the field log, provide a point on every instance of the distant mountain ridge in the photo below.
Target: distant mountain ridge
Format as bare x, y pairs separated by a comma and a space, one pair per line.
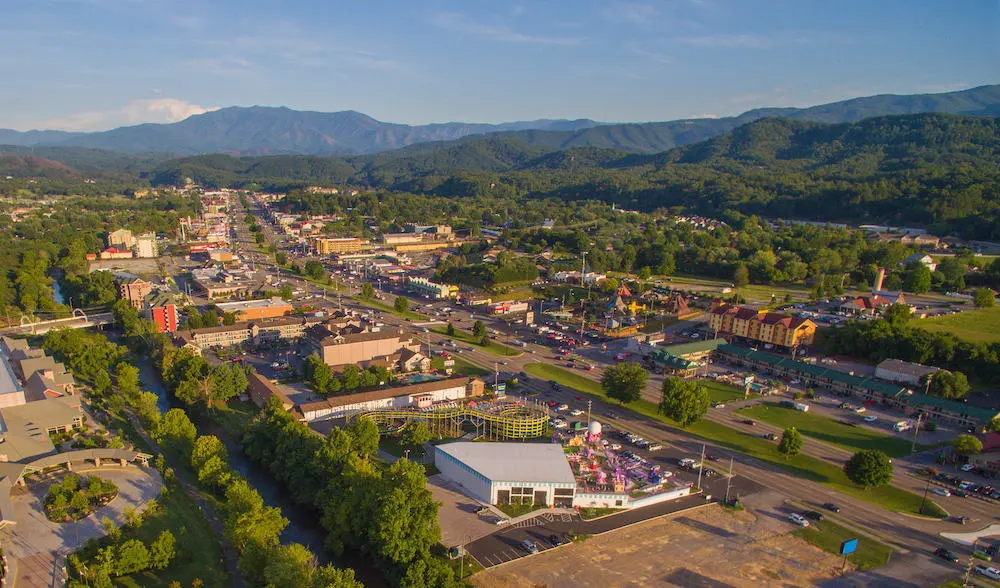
261, 130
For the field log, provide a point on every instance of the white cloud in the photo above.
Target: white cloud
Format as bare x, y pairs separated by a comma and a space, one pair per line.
147, 110
653, 56
706, 115
459, 22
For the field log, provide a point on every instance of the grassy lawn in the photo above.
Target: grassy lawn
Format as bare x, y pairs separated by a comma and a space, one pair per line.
235, 416
467, 337
390, 444
828, 536
973, 325
386, 308
593, 513
828, 429
803, 466
516, 510
461, 367
722, 392
199, 555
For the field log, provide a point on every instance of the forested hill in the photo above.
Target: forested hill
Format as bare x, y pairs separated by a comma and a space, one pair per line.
915, 169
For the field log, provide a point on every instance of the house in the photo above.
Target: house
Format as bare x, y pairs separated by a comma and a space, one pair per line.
865, 305
920, 259
116, 253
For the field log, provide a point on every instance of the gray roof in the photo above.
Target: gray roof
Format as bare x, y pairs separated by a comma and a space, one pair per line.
904, 367
25, 434
513, 462
8, 381
9, 344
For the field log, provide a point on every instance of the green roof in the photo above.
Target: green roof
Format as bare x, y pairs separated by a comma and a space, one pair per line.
873, 385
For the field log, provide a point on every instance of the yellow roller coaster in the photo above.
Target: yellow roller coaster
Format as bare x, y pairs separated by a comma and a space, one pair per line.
493, 421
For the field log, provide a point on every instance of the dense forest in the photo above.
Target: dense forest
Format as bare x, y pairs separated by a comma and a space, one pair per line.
933, 170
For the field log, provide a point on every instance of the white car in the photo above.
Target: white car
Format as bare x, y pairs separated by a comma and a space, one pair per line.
968, 467
798, 519
871, 418
941, 491
560, 424
654, 447
576, 412
860, 409
562, 407
616, 446
991, 573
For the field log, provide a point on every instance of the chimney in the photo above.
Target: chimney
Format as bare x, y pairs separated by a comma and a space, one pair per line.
879, 279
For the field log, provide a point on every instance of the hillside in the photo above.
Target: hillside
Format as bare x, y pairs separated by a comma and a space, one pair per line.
276, 131
915, 169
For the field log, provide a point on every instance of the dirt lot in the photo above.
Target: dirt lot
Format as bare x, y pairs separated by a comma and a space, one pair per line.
705, 547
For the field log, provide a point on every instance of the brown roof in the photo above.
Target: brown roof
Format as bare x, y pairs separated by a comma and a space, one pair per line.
242, 326
385, 393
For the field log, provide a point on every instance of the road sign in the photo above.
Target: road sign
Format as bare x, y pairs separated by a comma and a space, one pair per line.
747, 380
848, 547
501, 388
449, 362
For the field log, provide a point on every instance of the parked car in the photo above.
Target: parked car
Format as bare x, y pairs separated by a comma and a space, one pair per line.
941, 491
770, 436
831, 507
654, 447
945, 554
530, 546
576, 412
798, 519
968, 467
988, 572
813, 515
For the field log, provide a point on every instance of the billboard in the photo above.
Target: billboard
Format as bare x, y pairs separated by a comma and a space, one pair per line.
848, 547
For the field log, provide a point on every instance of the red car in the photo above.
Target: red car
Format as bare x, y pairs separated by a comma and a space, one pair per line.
444, 354
553, 404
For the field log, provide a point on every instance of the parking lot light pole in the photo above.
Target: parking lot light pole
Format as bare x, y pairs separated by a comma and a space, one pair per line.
924, 501
701, 465
729, 482
916, 430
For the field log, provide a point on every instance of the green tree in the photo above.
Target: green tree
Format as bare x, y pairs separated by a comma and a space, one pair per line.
147, 406
205, 448
484, 341
352, 377
102, 384
741, 276
791, 443
645, 273
415, 434
286, 292
684, 401
128, 381
869, 468
215, 473
983, 298
162, 550
281, 258
132, 556
404, 523
918, 280
177, 430
898, 315
315, 270
624, 382
451, 330
229, 318
290, 565
367, 291
966, 445
478, 329
364, 434
401, 304
945, 384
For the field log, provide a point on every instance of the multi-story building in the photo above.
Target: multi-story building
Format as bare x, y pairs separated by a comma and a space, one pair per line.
121, 239
767, 327
350, 348
248, 310
134, 290
145, 246
165, 318
330, 245
263, 332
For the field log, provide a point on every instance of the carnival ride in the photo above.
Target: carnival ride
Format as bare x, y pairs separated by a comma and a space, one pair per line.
493, 420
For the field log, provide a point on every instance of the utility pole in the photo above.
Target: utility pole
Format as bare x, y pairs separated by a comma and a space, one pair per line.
968, 569
920, 418
590, 405
701, 465
729, 482
924, 501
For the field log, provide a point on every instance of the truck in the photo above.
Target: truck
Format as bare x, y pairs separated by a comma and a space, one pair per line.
903, 426
801, 407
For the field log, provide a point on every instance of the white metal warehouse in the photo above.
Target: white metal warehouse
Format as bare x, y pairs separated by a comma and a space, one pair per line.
503, 473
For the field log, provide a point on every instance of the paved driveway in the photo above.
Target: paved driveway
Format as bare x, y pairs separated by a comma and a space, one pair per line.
38, 544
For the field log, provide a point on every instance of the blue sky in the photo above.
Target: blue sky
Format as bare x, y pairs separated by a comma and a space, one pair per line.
97, 64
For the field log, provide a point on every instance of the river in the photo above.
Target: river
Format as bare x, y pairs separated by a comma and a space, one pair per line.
303, 524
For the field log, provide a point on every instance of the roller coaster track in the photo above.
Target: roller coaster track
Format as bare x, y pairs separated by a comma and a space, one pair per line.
493, 421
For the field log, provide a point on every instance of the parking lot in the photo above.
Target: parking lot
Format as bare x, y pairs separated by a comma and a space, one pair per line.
702, 547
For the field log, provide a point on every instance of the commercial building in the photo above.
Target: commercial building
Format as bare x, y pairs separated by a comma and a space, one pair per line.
395, 239
221, 255
761, 325
25, 429
330, 246
145, 246
903, 372
685, 358
134, 290
248, 310
413, 396
121, 239
989, 457
116, 253
898, 396
505, 473
502, 308
263, 332
345, 347
428, 289
261, 390
219, 284
865, 305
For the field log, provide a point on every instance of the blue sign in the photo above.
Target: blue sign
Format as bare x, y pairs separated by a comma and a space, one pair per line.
848, 547
501, 388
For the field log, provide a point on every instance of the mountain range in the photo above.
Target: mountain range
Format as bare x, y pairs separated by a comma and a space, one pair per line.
277, 130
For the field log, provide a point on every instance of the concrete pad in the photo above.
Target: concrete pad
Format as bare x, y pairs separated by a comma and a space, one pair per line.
457, 515
970, 538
